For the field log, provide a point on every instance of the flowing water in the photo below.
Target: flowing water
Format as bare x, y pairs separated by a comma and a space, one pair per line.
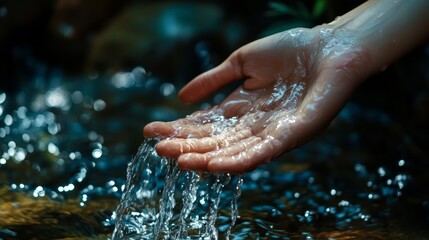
65, 145
162, 202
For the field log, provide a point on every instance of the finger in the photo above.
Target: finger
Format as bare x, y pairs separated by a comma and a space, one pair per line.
198, 161
195, 125
175, 147
158, 129
204, 116
177, 129
193, 131
212, 80
246, 161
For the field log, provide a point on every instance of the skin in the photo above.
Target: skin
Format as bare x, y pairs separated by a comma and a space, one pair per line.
296, 82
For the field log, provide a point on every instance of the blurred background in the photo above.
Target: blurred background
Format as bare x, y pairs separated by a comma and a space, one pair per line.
168, 38
80, 78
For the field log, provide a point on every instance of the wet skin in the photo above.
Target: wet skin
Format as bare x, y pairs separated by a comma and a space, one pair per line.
295, 83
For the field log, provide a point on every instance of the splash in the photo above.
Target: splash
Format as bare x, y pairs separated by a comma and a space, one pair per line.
160, 201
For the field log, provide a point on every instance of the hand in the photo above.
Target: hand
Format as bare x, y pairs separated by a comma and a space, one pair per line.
295, 83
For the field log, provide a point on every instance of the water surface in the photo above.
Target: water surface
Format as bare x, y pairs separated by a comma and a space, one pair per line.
65, 146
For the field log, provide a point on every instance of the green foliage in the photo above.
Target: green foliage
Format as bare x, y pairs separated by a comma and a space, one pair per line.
294, 15
281, 9
319, 8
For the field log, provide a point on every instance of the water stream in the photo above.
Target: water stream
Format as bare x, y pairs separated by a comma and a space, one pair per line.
160, 201
65, 145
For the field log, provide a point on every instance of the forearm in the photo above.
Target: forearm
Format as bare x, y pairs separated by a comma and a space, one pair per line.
387, 29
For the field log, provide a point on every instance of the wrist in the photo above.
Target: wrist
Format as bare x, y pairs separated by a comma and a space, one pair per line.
341, 49
386, 29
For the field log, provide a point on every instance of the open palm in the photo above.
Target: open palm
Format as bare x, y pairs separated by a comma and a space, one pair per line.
295, 83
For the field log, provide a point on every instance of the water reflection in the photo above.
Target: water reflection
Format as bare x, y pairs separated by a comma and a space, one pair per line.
65, 146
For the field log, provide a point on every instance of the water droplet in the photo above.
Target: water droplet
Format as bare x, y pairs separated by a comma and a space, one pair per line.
123, 80
39, 192
381, 171
92, 136
167, 89
25, 137
11, 144
8, 120
77, 97
11, 152
52, 148
57, 98
20, 155
21, 112
39, 120
30, 148
81, 175
2, 97
96, 153
2, 133
99, 105
84, 197
139, 73
69, 187
343, 203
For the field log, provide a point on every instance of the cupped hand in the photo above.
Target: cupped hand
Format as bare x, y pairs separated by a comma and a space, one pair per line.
295, 83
